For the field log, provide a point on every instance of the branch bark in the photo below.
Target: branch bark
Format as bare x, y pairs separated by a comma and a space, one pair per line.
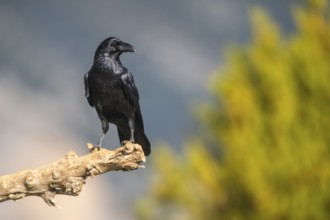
67, 176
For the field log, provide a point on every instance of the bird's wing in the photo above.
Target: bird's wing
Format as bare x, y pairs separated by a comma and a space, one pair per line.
132, 95
88, 91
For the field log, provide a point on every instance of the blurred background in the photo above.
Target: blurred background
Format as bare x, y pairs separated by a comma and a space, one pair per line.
234, 95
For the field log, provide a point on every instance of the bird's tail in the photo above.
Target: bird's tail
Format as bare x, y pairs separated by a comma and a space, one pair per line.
141, 138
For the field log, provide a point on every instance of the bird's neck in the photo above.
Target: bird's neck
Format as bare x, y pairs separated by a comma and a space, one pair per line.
108, 63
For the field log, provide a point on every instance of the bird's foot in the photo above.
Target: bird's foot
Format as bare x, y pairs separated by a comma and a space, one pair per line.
123, 143
95, 148
92, 148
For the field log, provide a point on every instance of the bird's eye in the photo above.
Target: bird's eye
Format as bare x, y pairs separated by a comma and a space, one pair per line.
115, 42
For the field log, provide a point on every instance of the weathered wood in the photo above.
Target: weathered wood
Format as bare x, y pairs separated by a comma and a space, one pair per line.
67, 176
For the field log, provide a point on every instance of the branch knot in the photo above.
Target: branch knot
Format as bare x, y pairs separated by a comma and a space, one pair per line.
31, 180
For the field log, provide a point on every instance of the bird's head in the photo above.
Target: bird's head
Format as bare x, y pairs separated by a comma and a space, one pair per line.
112, 46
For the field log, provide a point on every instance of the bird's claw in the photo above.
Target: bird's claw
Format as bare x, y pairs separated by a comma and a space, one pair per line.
95, 148
123, 143
92, 148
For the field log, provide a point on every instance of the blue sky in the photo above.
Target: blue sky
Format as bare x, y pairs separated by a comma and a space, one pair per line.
47, 46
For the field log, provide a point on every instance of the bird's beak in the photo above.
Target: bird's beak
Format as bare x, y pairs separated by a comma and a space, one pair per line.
125, 47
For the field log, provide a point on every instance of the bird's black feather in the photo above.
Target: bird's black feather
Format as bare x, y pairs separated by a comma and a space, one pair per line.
88, 91
110, 88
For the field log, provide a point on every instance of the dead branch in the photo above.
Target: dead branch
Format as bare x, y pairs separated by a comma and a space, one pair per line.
67, 175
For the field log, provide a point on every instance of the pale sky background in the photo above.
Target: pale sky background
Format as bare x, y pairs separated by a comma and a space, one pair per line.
47, 46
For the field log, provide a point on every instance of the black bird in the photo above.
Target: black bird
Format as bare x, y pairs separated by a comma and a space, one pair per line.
110, 89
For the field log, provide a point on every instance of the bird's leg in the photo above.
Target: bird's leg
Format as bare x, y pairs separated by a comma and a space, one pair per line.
105, 128
99, 145
131, 128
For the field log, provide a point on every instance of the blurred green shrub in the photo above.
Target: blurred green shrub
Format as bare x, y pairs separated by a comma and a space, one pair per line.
269, 121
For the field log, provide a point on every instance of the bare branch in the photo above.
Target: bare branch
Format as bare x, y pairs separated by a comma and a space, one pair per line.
67, 175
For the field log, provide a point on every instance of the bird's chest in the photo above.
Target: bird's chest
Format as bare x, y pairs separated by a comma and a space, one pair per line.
108, 93
108, 85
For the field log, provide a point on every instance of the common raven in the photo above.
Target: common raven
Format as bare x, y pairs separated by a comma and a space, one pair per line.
110, 89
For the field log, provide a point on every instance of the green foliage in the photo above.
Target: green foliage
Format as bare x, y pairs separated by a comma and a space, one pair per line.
270, 119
